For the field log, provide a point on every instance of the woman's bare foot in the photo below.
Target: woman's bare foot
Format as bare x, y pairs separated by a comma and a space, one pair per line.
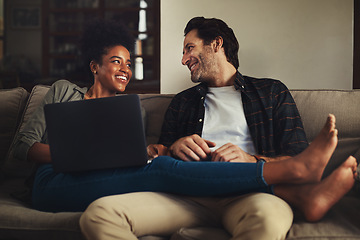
310, 164
315, 200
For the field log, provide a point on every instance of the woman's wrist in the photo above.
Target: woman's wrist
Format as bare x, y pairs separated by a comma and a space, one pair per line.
259, 158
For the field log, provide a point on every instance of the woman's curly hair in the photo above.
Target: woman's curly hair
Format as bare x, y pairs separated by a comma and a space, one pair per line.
99, 35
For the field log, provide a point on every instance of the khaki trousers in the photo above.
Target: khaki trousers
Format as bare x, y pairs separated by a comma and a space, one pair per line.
128, 216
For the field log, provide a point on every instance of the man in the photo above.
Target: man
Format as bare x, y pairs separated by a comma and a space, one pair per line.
244, 116
262, 111
230, 118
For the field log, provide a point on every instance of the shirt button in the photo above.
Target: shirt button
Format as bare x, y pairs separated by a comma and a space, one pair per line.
200, 120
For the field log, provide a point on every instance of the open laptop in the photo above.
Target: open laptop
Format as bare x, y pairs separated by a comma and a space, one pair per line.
96, 134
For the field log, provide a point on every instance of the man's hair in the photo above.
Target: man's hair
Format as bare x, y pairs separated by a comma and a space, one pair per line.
99, 35
208, 29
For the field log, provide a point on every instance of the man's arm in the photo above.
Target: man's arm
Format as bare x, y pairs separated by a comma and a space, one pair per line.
232, 153
181, 129
288, 128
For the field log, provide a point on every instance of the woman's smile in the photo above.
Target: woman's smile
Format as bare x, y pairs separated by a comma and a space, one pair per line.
112, 75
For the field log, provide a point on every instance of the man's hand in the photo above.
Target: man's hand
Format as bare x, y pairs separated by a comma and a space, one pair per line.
231, 153
155, 150
191, 148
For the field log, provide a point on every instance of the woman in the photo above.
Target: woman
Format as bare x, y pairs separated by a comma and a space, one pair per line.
106, 48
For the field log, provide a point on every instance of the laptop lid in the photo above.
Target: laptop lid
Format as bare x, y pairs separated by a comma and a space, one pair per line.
96, 134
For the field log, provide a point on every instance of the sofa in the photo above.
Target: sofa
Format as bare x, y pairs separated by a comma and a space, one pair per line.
19, 221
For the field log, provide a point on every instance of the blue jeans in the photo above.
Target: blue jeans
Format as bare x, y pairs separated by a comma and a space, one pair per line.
56, 192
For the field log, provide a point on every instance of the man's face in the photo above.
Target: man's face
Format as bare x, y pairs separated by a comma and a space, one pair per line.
199, 58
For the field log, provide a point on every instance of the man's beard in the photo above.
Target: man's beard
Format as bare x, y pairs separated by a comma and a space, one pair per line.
196, 77
204, 69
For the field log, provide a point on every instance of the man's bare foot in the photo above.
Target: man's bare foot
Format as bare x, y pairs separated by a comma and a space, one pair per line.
310, 164
315, 200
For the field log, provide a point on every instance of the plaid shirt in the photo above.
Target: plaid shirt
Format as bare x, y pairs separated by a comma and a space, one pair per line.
271, 113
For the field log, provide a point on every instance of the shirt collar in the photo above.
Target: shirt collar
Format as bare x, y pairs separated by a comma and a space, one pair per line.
239, 83
202, 89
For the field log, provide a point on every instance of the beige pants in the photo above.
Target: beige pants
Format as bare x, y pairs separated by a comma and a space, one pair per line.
128, 216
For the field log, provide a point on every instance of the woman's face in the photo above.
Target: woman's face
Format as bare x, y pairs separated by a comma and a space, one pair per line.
113, 73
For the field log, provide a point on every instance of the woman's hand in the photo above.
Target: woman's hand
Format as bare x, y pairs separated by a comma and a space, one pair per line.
155, 150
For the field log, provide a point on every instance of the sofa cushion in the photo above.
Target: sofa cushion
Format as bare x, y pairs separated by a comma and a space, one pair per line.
12, 165
18, 221
12, 104
340, 223
201, 233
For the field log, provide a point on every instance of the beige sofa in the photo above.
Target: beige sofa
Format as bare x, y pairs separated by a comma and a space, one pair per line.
19, 221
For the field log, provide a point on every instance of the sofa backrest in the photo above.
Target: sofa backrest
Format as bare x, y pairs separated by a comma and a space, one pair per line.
315, 105
155, 106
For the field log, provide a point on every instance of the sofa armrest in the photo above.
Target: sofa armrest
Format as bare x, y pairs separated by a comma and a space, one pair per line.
12, 104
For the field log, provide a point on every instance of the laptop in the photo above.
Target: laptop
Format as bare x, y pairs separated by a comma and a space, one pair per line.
96, 134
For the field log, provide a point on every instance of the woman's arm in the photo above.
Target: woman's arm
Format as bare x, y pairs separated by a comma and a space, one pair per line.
32, 142
39, 152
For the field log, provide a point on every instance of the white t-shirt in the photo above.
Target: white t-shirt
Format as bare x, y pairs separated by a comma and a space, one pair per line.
224, 120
